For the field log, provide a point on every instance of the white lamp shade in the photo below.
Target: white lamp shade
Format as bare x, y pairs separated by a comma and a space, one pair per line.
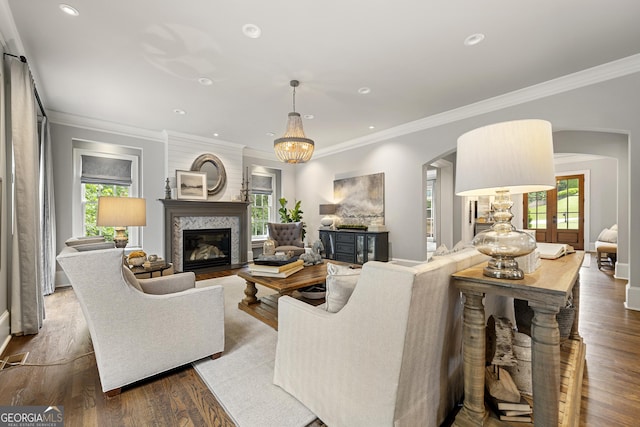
515, 156
121, 212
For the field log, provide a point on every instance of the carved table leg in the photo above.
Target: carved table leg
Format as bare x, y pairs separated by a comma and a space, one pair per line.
473, 412
575, 333
545, 359
250, 294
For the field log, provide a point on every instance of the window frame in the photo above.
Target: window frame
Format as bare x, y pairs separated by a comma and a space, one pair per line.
109, 151
272, 208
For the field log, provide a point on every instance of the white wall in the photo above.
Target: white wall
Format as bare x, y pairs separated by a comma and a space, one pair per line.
182, 150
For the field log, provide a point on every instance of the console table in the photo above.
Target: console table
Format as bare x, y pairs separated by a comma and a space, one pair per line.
547, 290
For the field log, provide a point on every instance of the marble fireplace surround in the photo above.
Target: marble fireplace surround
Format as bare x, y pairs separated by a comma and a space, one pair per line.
197, 215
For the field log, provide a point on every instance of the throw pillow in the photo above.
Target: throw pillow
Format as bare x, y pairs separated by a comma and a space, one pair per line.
341, 281
86, 240
609, 236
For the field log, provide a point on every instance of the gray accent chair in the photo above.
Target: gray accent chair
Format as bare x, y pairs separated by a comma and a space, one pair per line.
288, 236
140, 328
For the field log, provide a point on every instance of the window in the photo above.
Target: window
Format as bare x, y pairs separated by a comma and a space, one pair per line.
263, 208
102, 170
90, 195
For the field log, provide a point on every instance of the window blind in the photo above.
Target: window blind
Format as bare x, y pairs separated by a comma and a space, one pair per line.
261, 184
105, 170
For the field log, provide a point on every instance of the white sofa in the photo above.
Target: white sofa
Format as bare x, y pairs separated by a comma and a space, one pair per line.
392, 356
146, 327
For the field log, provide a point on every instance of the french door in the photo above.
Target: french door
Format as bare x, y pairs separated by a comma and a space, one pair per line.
558, 215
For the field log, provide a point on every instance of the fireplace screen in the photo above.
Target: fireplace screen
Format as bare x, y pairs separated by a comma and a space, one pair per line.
206, 248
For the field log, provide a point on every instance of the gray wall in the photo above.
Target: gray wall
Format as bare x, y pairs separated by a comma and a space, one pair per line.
151, 185
609, 106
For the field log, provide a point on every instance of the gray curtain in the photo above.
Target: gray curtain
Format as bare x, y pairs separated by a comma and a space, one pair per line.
48, 211
27, 302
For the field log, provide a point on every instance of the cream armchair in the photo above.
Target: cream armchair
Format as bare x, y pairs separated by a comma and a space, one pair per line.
140, 328
390, 357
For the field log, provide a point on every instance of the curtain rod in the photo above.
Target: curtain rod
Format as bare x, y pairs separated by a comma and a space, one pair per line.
35, 90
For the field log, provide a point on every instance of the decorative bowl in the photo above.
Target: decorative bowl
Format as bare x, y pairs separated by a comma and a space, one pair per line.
137, 261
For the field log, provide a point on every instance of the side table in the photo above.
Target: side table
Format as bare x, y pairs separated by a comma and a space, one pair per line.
139, 270
547, 290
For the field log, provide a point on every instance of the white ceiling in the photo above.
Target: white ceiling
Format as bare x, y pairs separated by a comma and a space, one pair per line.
135, 62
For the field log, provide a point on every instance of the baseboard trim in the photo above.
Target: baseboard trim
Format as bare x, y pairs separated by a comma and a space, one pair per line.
622, 271
632, 300
5, 329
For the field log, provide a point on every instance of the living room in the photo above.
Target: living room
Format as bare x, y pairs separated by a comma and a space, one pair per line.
593, 111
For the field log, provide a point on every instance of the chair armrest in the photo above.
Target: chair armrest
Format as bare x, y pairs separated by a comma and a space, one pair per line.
168, 284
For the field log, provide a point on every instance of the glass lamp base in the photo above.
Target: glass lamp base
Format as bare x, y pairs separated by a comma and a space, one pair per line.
503, 268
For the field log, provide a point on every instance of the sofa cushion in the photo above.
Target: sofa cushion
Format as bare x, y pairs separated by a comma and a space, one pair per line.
341, 281
608, 235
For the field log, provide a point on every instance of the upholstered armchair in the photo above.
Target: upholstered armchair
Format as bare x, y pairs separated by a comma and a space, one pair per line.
391, 356
140, 328
288, 236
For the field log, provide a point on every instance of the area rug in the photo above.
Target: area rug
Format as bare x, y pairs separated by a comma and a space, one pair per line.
242, 379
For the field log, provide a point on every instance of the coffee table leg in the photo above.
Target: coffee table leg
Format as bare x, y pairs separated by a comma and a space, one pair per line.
250, 291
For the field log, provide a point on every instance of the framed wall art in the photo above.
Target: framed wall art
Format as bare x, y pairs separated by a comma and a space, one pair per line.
360, 199
191, 185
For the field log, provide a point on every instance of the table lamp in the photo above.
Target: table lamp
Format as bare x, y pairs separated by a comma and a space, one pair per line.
121, 212
502, 159
327, 210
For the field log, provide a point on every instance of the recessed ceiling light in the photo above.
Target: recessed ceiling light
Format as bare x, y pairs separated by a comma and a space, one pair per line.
179, 112
205, 81
69, 10
216, 134
309, 116
372, 127
364, 90
271, 134
473, 39
251, 30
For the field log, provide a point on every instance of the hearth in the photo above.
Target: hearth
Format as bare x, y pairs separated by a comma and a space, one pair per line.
204, 248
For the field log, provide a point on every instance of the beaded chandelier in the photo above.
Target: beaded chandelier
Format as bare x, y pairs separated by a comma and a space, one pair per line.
294, 146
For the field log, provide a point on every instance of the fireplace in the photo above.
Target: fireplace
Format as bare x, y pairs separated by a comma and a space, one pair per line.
204, 248
189, 215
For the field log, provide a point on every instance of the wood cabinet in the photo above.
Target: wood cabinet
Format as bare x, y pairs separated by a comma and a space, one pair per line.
356, 247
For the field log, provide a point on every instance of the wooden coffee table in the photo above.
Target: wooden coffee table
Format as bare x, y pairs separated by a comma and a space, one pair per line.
265, 308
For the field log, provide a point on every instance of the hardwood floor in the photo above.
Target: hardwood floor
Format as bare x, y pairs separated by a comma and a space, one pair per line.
610, 393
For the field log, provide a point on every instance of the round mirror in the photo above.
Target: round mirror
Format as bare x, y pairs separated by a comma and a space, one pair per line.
213, 167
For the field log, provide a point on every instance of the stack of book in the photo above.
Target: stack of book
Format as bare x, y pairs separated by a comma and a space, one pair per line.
158, 263
514, 412
279, 271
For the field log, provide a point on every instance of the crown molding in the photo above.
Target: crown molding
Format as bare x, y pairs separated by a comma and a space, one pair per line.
257, 154
103, 126
174, 135
590, 76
